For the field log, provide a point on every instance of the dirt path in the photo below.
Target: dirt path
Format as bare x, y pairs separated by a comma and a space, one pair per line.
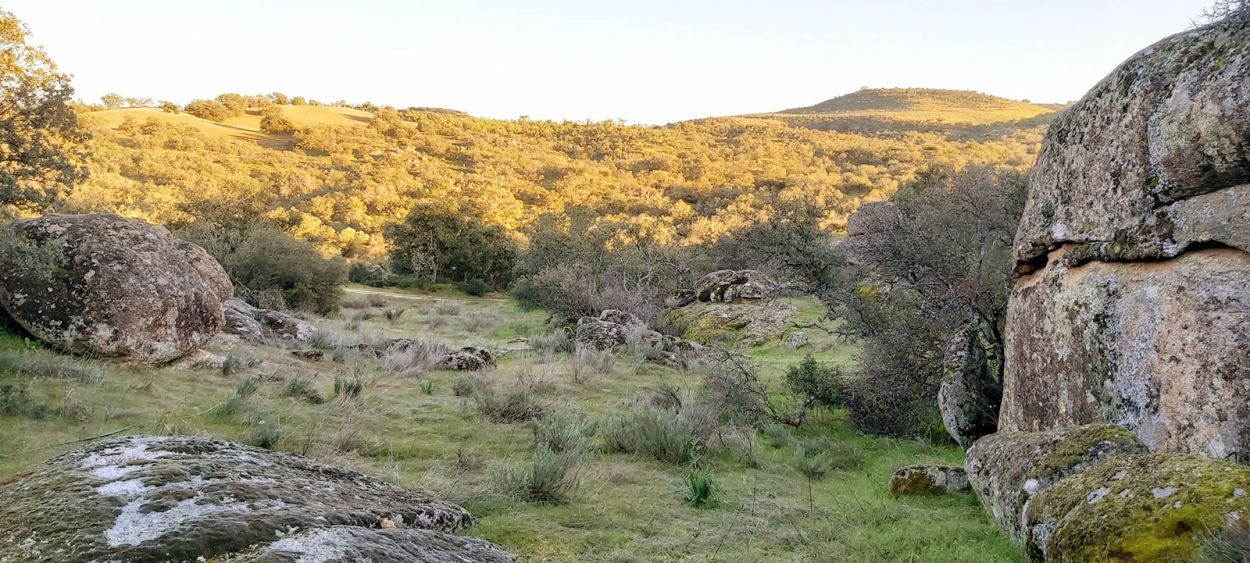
411, 297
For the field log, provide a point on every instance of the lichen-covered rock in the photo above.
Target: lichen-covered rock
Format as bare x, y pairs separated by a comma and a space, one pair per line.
113, 287
796, 340
969, 395
1151, 507
258, 325
621, 318
1008, 468
734, 285
468, 358
1161, 348
928, 480
598, 334
387, 545
1136, 233
679, 298
159, 498
746, 324
311, 354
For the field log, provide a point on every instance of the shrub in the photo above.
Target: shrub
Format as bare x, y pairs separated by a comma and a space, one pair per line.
777, 435
376, 300
354, 304
478, 321
700, 490
348, 388
303, 390
665, 436
588, 364
433, 323
563, 433
272, 121
393, 315
449, 308
822, 383
548, 479
264, 260
517, 404
475, 287
14, 400
465, 386
235, 402
41, 364
265, 436
554, 342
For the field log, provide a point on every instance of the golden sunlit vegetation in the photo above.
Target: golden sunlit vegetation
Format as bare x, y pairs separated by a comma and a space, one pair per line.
343, 174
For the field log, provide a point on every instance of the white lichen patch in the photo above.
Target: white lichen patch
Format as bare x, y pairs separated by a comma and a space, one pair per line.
124, 489
1097, 495
133, 527
1163, 492
315, 546
116, 462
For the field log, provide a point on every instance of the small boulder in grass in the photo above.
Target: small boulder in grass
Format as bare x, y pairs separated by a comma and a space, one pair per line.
928, 480
311, 355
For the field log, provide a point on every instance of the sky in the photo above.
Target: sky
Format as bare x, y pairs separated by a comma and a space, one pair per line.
643, 61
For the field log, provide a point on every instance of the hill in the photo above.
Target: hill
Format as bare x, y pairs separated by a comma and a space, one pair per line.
345, 173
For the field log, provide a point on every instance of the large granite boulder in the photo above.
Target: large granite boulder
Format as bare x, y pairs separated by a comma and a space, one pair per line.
1152, 507
598, 334
970, 392
742, 323
613, 330
383, 545
1009, 468
105, 286
1135, 306
159, 498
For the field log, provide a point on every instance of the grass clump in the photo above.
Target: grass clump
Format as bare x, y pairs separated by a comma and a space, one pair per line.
554, 342
447, 308
550, 478
590, 364
564, 434
234, 403
427, 387
393, 315
464, 386
413, 357
303, 390
517, 404
348, 388
700, 490
265, 436
46, 365
238, 362
665, 436
478, 321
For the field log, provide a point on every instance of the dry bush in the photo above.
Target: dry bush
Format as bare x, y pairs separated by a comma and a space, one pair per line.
550, 478
478, 321
516, 404
415, 357
447, 308
376, 301
433, 323
354, 304
536, 378
588, 365
558, 341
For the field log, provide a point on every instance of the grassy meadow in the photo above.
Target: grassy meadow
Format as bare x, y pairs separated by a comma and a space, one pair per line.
412, 429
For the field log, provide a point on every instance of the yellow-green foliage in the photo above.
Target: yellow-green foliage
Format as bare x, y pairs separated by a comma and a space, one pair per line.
1151, 507
346, 173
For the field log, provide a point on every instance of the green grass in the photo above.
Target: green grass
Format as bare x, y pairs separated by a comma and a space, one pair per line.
625, 507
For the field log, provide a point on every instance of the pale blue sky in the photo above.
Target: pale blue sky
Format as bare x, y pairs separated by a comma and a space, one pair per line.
647, 61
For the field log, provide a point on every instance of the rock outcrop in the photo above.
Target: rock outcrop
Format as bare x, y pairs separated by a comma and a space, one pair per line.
613, 330
745, 324
1135, 309
468, 358
386, 545
158, 498
104, 286
928, 480
260, 325
969, 395
734, 285
1009, 468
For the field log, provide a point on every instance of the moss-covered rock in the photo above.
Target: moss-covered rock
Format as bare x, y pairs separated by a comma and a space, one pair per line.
745, 324
928, 480
159, 498
350, 543
1009, 468
1150, 507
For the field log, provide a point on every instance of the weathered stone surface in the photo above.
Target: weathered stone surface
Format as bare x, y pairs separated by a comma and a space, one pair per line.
746, 324
969, 395
1136, 234
388, 545
796, 340
314, 355
599, 334
469, 358
1161, 348
734, 285
622, 318
1151, 507
1171, 123
679, 298
258, 325
118, 288
158, 498
1008, 468
928, 480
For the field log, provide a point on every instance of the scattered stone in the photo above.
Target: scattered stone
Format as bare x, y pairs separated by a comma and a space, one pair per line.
469, 358
158, 498
928, 480
200, 359
1166, 502
796, 340
313, 355
111, 287
613, 330
1008, 468
679, 298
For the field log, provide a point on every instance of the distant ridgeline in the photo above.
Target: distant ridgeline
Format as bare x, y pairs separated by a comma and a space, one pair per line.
337, 175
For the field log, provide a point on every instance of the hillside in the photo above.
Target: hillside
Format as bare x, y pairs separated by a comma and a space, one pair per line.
345, 173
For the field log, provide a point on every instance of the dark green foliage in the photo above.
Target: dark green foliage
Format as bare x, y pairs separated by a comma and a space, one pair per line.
271, 265
449, 242
816, 381
701, 488
266, 435
427, 387
38, 130
475, 287
303, 390
348, 388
